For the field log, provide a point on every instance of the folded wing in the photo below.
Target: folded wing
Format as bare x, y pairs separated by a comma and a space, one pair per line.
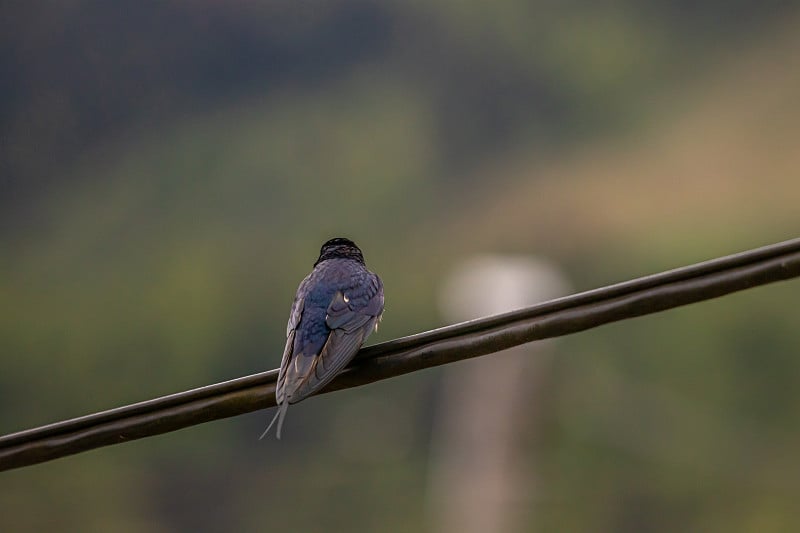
350, 318
350, 325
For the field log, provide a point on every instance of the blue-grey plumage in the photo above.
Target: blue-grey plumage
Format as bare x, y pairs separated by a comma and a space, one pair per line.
337, 306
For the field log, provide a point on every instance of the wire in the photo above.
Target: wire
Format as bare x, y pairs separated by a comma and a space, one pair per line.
554, 318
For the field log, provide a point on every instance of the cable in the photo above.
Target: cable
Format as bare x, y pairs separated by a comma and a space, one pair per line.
555, 318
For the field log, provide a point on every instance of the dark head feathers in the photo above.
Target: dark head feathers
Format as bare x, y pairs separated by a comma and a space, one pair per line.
340, 248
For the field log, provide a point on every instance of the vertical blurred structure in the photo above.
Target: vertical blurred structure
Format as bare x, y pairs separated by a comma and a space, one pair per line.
480, 476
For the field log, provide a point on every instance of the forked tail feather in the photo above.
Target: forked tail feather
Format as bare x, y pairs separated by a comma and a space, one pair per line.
279, 414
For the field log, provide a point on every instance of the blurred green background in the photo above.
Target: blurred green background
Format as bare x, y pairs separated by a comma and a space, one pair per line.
168, 171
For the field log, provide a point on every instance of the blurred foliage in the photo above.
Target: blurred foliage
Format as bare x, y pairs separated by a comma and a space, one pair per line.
169, 170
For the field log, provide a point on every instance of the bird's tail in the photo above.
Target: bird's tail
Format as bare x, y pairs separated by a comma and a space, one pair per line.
281, 412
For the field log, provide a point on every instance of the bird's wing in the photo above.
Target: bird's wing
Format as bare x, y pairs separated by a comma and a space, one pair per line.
287, 361
297, 307
352, 309
294, 321
351, 320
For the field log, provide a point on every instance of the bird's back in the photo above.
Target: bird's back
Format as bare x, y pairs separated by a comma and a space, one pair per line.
341, 302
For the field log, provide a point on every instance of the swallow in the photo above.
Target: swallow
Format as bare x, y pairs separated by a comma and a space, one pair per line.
336, 307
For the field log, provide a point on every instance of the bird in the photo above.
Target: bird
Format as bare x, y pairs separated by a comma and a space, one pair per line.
336, 307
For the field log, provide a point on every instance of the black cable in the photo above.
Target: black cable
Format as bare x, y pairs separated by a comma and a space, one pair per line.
555, 318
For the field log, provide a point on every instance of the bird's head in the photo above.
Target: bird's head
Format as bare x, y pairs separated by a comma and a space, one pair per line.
340, 248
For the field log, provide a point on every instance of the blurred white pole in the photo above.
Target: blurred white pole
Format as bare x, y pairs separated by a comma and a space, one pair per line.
480, 479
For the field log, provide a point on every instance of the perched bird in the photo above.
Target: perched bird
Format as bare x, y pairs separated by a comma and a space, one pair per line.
337, 306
